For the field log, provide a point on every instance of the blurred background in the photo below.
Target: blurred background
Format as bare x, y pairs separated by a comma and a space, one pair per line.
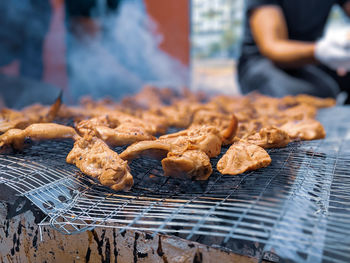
113, 47
217, 29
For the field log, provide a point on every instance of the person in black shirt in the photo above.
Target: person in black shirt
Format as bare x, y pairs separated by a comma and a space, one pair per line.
284, 51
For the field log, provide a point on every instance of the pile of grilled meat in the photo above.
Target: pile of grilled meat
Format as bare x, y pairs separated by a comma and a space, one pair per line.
249, 124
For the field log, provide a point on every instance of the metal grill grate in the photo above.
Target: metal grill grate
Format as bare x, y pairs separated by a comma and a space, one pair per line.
299, 207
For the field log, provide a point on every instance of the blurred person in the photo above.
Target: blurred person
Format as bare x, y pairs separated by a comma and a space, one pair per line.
23, 27
284, 51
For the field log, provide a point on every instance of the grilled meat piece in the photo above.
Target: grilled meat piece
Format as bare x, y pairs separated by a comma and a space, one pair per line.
308, 129
226, 123
155, 149
205, 138
177, 161
309, 100
151, 97
181, 113
241, 157
11, 119
118, 129
187, 152
86, 126
94, 158
192, 164
122, 135
298, 112
38, 131
160, 123
271, 137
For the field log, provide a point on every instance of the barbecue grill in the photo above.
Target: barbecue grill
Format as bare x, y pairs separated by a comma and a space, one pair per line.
297, 209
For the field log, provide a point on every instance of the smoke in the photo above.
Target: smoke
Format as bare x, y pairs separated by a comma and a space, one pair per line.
123, 58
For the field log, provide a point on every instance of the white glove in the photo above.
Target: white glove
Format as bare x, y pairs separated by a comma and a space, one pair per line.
334, 49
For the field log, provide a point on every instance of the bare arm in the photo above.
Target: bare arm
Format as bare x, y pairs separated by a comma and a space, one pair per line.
271, 35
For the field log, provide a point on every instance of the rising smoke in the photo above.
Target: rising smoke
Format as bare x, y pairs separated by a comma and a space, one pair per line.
123, 58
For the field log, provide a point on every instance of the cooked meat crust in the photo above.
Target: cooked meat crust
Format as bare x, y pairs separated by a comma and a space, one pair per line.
192, 164
38, 131
307, 129
93, 157
271, 137
249, 124
241, 157
11, 119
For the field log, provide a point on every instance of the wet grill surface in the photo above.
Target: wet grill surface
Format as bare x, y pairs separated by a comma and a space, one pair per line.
298, 207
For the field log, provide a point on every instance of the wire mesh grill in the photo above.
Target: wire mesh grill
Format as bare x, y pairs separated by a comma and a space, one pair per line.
298, 207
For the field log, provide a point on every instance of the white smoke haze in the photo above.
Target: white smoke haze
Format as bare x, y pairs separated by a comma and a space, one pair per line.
124, 58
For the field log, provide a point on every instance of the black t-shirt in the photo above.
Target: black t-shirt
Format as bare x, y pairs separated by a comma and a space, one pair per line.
306, 20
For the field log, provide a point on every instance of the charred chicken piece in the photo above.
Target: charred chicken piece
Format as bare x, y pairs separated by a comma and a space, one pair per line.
94, 158
192, 164
39, 131
271, 137
308, 129
241, 157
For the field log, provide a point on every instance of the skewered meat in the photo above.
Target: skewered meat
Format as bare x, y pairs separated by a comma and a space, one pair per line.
193, 164
94, 158
271, 137
241, 157
307, 129
38, 131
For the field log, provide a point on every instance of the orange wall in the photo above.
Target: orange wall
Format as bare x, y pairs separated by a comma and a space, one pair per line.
173, 23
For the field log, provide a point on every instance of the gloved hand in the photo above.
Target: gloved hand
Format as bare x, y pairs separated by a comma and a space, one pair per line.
334, 49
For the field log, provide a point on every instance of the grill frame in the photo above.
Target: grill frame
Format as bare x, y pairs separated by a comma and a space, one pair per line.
297, 207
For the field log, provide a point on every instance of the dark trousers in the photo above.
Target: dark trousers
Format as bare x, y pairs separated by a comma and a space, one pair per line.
260, 74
